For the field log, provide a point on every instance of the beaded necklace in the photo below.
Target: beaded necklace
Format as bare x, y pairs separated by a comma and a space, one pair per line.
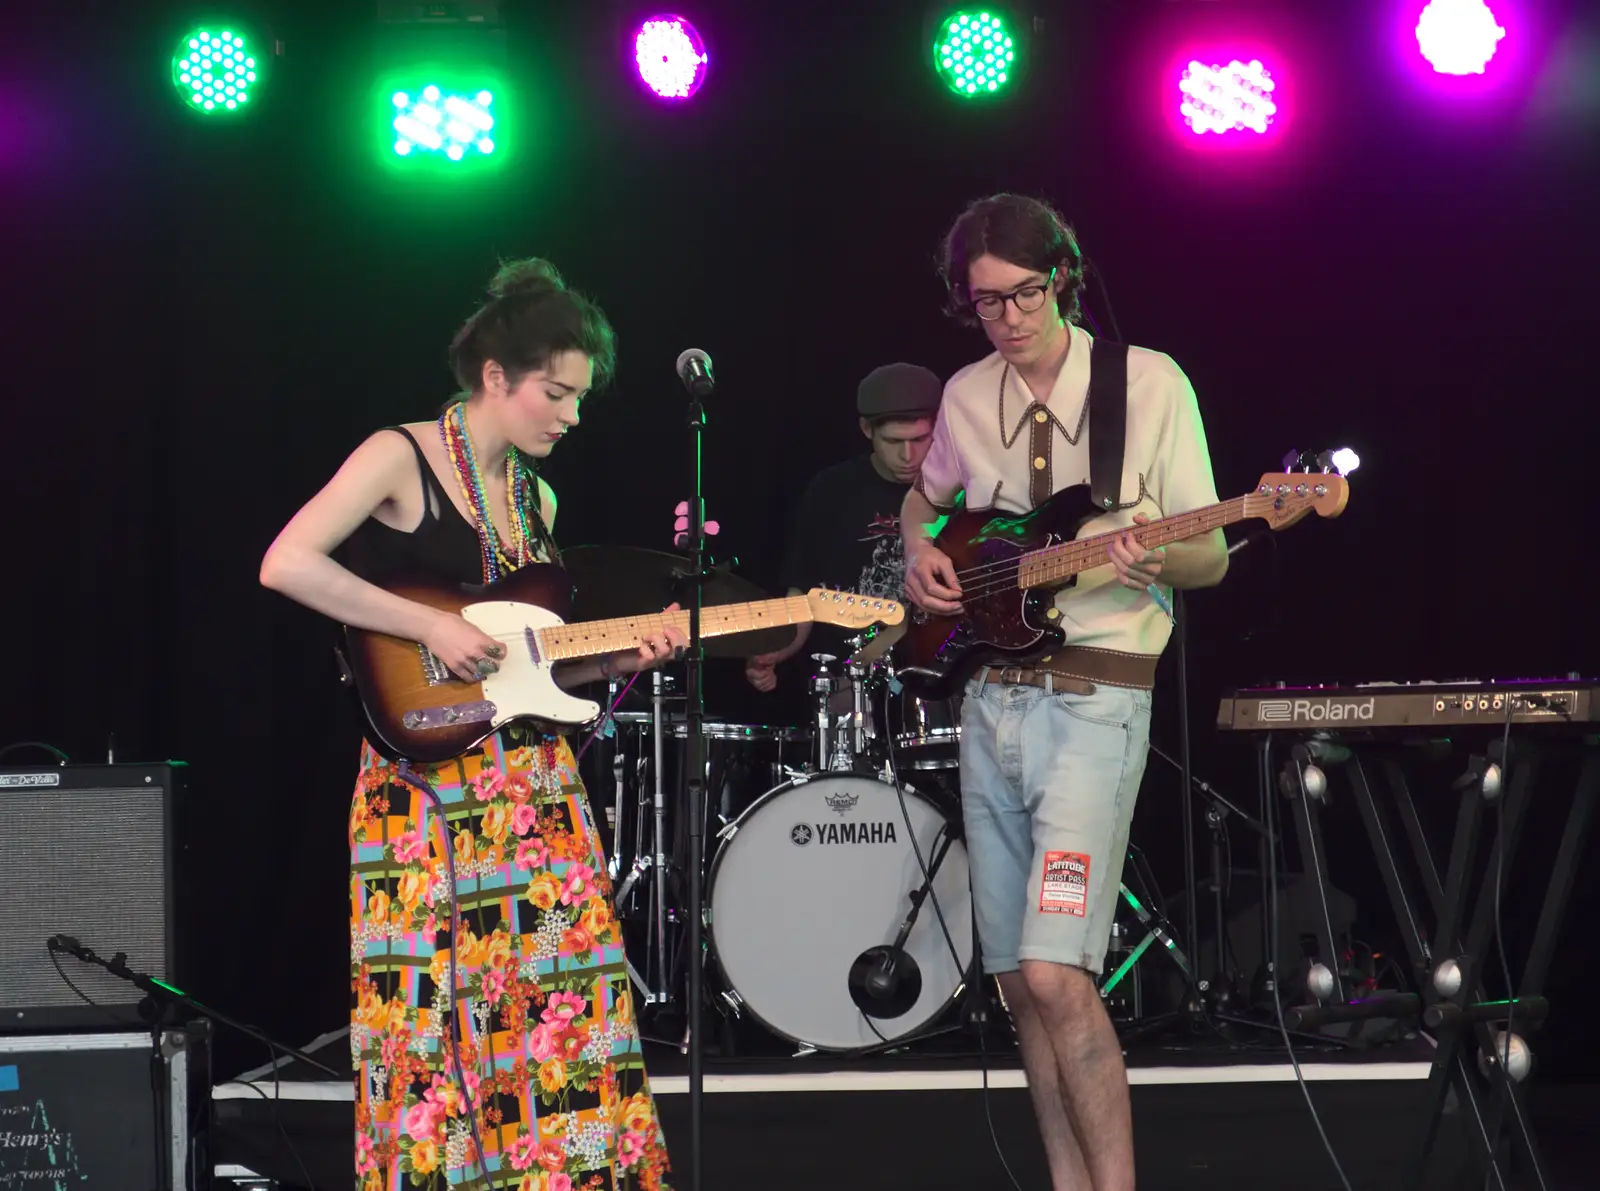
497, 559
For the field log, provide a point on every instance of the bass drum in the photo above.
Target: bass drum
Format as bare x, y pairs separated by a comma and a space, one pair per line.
807, 894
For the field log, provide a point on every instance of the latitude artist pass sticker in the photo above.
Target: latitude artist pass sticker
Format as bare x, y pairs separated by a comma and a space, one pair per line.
1064, 888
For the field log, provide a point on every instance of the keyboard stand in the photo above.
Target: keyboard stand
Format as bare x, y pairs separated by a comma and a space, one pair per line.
1448, 961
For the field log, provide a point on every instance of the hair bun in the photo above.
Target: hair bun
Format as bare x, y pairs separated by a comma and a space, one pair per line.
526, 278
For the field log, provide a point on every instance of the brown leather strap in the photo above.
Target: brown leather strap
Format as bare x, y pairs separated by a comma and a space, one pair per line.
1086, 665
1014, 676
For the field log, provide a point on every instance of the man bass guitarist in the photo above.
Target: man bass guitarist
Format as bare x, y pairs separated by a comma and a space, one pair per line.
1052, 751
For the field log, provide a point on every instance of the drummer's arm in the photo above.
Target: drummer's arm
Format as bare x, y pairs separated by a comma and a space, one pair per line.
802, 633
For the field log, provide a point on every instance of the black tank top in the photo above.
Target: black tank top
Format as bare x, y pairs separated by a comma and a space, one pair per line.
444, 544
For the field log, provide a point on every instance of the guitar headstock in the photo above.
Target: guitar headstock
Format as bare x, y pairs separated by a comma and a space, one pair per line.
1282, 498
851, 611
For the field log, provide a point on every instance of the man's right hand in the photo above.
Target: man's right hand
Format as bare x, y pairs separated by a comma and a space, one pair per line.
931, 581
761, 670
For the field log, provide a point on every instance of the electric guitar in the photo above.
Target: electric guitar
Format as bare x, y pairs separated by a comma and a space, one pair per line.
417, 710
1010, 568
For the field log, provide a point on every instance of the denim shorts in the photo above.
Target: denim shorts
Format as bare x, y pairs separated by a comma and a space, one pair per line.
1048, 784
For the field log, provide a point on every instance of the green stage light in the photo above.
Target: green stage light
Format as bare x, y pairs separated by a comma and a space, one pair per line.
975, 53
443, 118
217, 71
432, 120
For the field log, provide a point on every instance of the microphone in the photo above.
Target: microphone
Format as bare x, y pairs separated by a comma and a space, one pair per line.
884, 977
63, 943
885, 982
694, 370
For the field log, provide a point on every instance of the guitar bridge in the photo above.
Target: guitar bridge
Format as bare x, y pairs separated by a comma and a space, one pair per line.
435, 671
424, 719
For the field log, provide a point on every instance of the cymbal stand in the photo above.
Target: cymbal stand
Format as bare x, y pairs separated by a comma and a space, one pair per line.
822, 687
862, 736
613, 757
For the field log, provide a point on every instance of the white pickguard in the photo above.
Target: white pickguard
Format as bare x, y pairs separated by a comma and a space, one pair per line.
525, 688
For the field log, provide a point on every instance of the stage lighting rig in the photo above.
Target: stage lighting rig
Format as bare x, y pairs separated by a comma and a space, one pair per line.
440, 93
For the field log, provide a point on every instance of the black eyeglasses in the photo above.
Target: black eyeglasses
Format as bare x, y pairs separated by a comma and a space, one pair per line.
1028, 298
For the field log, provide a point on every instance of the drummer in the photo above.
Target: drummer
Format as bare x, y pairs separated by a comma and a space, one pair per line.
847, 530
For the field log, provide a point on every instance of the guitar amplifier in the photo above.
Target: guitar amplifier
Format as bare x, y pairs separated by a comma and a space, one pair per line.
88, 853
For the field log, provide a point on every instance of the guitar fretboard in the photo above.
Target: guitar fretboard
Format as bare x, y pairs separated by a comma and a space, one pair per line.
1055, 564
594, 637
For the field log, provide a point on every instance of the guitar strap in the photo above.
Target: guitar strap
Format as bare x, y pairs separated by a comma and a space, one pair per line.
1108, 421
541, 531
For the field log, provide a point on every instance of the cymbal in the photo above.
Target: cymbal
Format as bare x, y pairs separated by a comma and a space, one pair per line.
614, 581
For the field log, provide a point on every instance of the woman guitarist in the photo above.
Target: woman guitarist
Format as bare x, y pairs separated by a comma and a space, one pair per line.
538, 1073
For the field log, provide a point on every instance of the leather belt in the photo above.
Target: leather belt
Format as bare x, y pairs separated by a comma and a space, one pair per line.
1078, 668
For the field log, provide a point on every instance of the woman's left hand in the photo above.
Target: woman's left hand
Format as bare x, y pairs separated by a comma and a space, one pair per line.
657, 649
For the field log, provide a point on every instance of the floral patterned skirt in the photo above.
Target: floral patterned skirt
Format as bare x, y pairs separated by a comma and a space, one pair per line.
544, 1015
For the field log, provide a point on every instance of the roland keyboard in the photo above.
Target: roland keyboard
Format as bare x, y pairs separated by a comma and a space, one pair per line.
1380, 705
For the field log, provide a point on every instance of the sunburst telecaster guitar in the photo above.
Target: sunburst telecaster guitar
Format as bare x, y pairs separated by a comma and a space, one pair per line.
417, 710
1010, 568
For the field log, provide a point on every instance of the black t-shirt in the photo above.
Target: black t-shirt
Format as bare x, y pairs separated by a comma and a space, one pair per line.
847, 535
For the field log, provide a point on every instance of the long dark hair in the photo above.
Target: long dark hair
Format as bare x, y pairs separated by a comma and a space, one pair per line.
530, 316
1024, 231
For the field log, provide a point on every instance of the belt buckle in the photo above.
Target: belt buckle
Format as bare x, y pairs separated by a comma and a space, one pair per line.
1011, 675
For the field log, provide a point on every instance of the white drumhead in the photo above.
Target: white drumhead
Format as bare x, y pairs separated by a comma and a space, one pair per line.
817, 872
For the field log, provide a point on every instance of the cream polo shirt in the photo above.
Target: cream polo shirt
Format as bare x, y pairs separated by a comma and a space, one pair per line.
995, 446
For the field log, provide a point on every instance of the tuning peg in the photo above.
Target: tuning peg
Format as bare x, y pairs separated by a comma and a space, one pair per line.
1343, 460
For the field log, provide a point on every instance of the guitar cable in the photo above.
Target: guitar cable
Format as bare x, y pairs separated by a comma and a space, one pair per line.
1272, 928
955, 955
605, 716
1502, 1058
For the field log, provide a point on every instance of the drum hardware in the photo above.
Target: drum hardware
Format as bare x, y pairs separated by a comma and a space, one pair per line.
847, 731
823, 685
927, 732
744, 761
859, 731
1149, 926
650, 843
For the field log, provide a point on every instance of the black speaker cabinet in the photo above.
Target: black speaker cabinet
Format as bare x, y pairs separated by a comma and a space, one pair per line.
88, 852
107, 1111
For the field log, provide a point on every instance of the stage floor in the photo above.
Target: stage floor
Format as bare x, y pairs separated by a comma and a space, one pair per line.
1206, 1115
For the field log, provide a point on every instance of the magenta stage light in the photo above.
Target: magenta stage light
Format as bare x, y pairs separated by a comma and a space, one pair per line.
1236, 98
1458, 36
671, 57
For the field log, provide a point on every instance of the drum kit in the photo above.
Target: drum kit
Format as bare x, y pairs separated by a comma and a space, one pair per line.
838, 914
819, 919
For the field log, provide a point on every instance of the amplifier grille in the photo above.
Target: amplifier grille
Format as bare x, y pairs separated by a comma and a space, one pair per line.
92, 863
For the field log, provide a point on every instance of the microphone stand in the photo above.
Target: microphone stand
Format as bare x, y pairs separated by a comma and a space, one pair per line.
695, 784
1191, 924
160, 991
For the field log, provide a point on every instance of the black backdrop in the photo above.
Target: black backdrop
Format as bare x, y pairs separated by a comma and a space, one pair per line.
200, 322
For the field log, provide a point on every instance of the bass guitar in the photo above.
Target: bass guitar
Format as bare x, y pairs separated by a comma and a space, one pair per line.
417, 710
1010, 568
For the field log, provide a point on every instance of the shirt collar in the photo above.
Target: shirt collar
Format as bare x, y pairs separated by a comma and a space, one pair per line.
1067, 397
